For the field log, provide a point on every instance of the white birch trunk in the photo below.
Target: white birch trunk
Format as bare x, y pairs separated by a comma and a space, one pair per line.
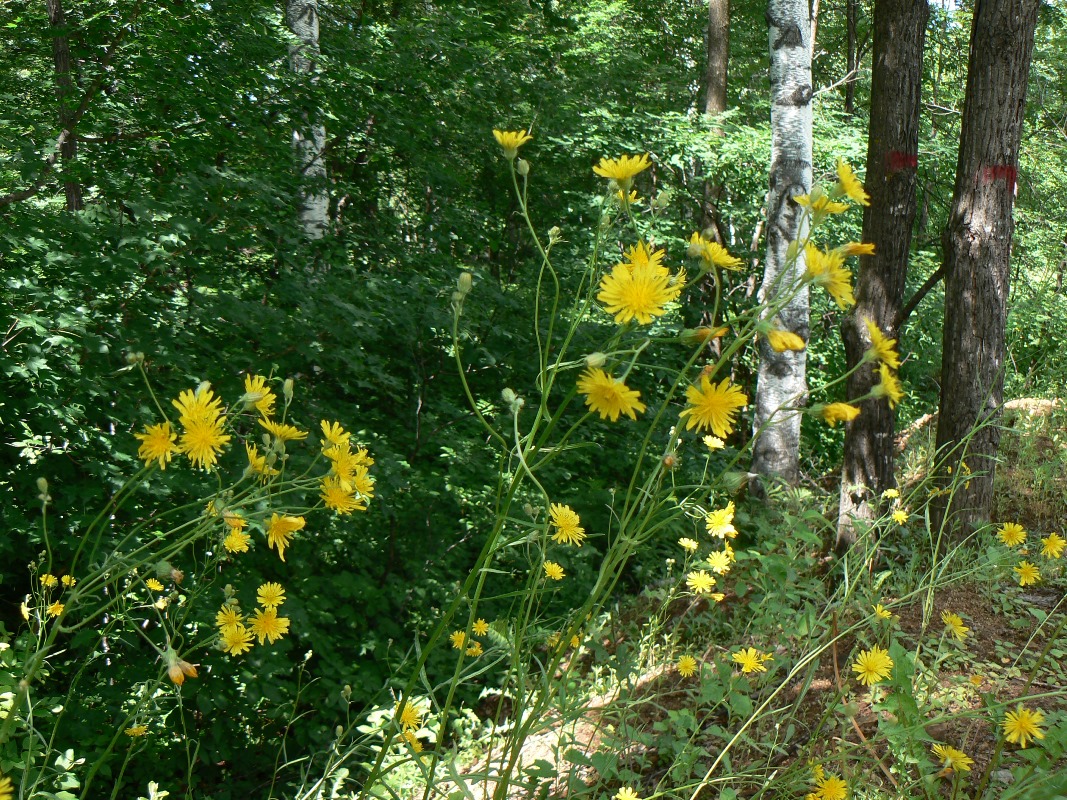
781, 383
302, 17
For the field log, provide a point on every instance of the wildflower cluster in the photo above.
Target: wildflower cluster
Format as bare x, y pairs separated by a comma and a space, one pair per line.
408, 718
1013, 535
237, 632
470, 645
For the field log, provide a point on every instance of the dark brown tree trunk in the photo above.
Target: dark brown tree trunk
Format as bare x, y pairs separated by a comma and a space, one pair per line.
851, 12
892, 148
977, 247
715, 98
64, 94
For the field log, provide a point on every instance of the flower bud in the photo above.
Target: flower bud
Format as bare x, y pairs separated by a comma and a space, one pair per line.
522, 166
465, 282
595, 360
339, 731
346, 692
287, 390
134, 357
202, 387
554, 234
508, 396
42, 489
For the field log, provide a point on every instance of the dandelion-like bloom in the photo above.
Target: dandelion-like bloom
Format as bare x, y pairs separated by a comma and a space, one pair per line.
565, 521
55, 609
236, 541
623, 168
900, 516
890, 494
511, 141
48, 580
713, 253
750, 660
889, 386
412, 740
340, 496
154, 585
699, 581
235, 640
719, 562
283, 432
1052, 546
856, 249
1022, 724
333, 435
234, 519
158, 443
687, 666
687, 544
408, 716
202, 441
458, 638
480, 628
872, 666
280, 532
827, 270
1027, 573
834, 413
609, 396
637, 291
626, 793
266, 624
954, 622
553, 571
270, 595
258, 395
820, 204
882, 347
133, 732
257, 463
713, 443
830, 787
850, 185
780, 341
713, 406
7, 789
70, 580
229, 616
474, 649
1012, 534
953, 759
197, 406
882, 612
721, 522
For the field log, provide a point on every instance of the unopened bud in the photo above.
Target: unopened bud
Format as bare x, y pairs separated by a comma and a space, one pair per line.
465, 282
42, 485
508, 396
134, 357
522, 166
339, 731
346, 692
595, 360
554, 234
287, 390
202, 387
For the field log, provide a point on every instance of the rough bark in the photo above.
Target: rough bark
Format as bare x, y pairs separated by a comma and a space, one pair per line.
781, 383
892, 150
302, 17
715, 76
977, 248
68, 148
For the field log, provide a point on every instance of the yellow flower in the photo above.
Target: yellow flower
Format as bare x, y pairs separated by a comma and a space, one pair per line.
266, 624
234, 519
235, 639
688, 544
627, 199
637, 291
228, 616
900, 516
408, 716
70, 580
889, 387
458, 638
856, 249
820, 204
781, 341
136, 730
1027, 573
881, 347
412, 740
699, 581
890, 494
281, 431
340, 496
833, 413
703, 335
953, 759
751, 660
827, 270
236, 541
713, 406
719, 562
882, 612
850, 185
480, 628
687, 666
203, 440
955, 624
280, 532
608, 396
713, 443
154, 585
565, 521
830, 787
1052, 546
976, 680
48, 580
474, 649
158, 443
258, 395
511, 141
333, 435
872, 666
7, 789
270, 595
713, 253
1012, 534
553, 571
55, 609
197, 406
721, 522
1022, 724
623, 168
626, 793
258, 463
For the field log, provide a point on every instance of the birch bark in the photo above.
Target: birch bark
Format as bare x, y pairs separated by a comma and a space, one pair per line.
302, 17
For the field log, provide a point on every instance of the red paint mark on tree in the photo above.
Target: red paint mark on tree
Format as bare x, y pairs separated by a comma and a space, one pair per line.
897, 161
996, 172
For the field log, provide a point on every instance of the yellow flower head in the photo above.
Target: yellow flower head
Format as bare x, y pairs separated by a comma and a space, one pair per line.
480, 627
1052, 546
780, 341
833, 413
820, 204
830, 787
200, 405
687, 666
622, 169
48, 580
55, 609
257, 463
642, 255
700, 581
270, 595
408, 715
954, 622
953, 759
609, 396
882, 612
713, 442
849, 185
565, 521
266, 624
154, 585
1027, 573
720, 522
553, 571
826, 269
235, 639
626, 793
872, 666
888, 387
281, 431
158, 443
136, 730
712, 253
236, 541
228, 616
882, 348
687, 544
333, 435
900, 516
751, 660
458, 639
1022, 724
474, 649
202, 441
258, 395
340, 496
890, 494
637, 291
713, 406
70, 580
1012, 534
511, 141
719, 561
856, 249
280, 532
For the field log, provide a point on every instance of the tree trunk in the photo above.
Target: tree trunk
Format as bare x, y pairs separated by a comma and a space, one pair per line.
781, 382
715, 97
852, 60
977, 247
68, 148
302, 17
892, 157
